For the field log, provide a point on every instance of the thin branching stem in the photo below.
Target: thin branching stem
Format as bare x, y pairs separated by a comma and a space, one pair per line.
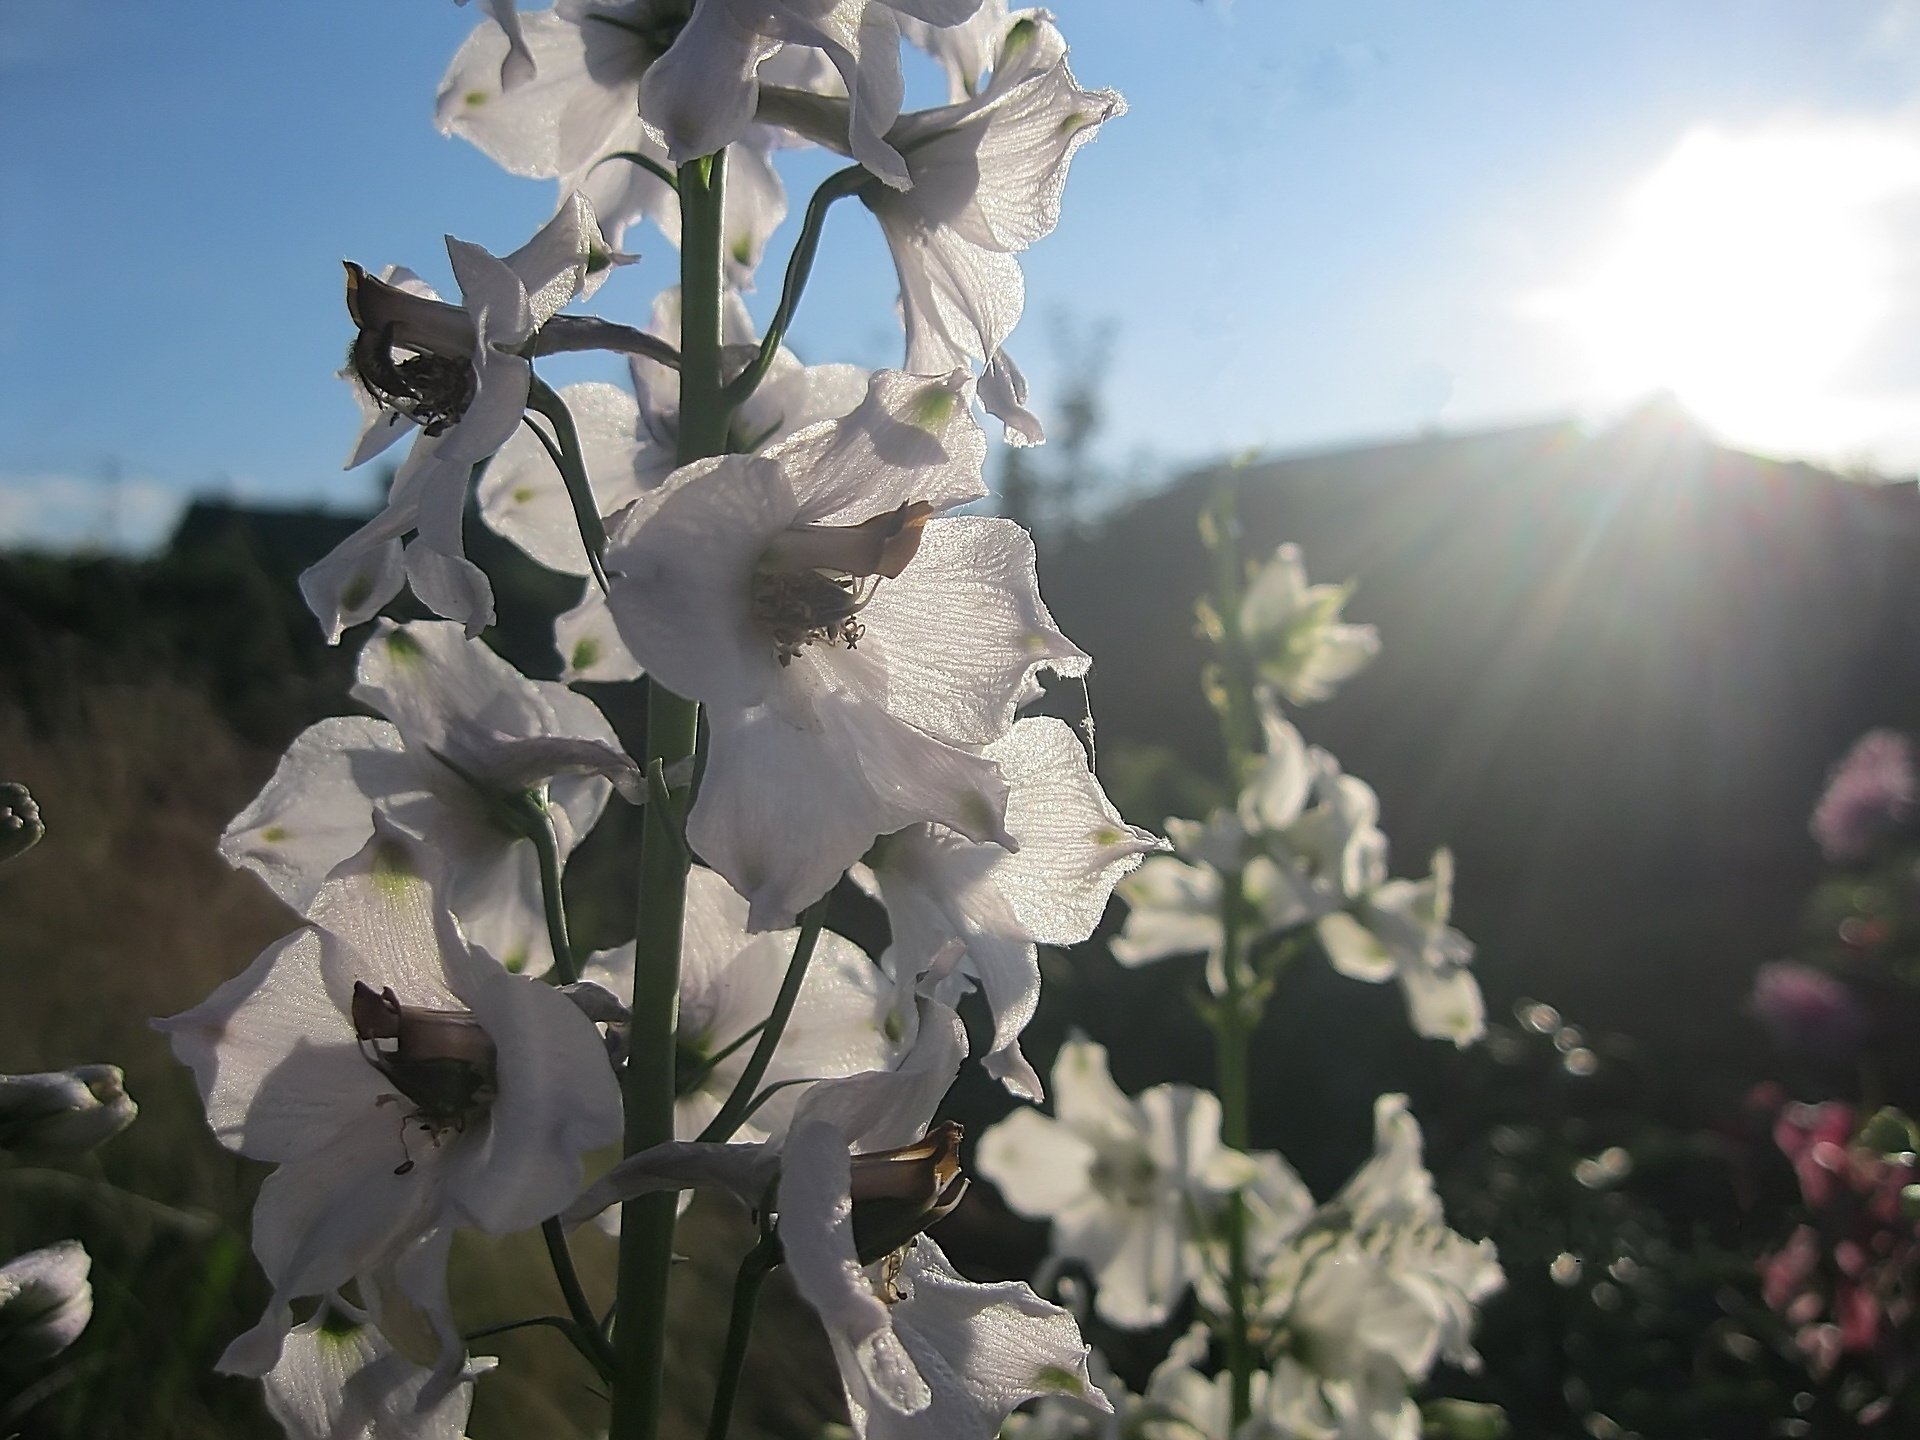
759, 1263
836, 186
741, 1100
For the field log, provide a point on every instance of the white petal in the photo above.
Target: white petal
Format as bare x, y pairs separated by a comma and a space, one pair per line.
966, 628
523, 497
701, 93
1040, 1165
589, 642
785, 808
913, 438
318, 807
275, 1055
557, 1100
816, 1234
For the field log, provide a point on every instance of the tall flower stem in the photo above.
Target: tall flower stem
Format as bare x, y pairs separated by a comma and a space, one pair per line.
1237, 1011
647, 1223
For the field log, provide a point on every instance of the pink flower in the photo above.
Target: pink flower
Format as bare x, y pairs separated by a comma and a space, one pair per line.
1868, 793
1808, 1010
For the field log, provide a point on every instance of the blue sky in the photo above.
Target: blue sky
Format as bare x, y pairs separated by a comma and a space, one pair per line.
1322, 221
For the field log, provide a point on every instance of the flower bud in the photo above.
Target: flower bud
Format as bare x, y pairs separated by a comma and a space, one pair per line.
898, 1193
20, 824
63, 1112
45, 1302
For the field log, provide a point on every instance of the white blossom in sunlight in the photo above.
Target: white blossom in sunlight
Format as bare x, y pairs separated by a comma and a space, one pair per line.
1294, 634
339, 1379
467, 732
1399, 931
1126, 1182
923, 1353
402, 1085
939, 886
965, 51
456, 373
628, 443
585, 104
842, 1024
1364, 1293
987, 176
852, 652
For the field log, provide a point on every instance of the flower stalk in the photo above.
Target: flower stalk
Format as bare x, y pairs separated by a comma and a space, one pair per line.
649, 1084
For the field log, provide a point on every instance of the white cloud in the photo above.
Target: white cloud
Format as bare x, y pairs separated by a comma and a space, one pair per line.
55, 511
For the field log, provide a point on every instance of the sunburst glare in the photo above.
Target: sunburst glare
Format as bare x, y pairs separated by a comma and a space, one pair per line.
1747, 275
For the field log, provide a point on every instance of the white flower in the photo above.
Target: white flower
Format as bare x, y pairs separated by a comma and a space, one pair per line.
628, 446
1297, 860
469, 731
851, 653
585, 104
458, 374
939, 886
45, 1302
63, 1112
402, 1086
338, 1379
1126, 1182
921, 1351
1399, 930
703, 92
842, 1023
1294, 634
965, 51
1364, 1293
986, 176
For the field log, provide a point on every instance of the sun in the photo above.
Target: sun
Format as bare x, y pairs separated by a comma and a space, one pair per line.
1746, 274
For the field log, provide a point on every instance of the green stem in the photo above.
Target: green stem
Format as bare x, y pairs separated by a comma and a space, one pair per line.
571, 461
585, 1333
647, 163
836, 186
647, 1085
693, 1081
547, 846
754, 1270
740, 1098
1233, 1035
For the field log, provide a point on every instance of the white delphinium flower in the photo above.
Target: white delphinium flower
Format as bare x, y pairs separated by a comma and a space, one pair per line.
402, 1085
1127, 1183
45, 1302
923, 1353
939, 886
338, 1379
852, 653
516, 65
628, 447
965, 51
63, 1112
1301, 839
1399, 931
678, 79
457, 373
987, 176
842, 1024
586, 104
1362, 1294
468, 733
1293, 631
